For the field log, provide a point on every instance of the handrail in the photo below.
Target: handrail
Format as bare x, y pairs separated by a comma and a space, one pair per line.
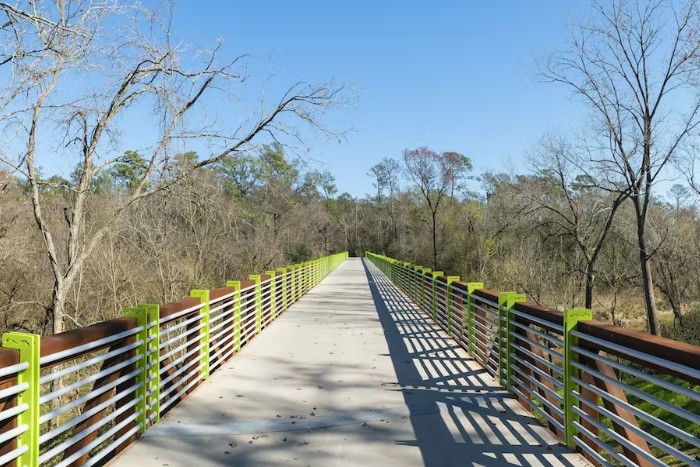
614, 394
82, 396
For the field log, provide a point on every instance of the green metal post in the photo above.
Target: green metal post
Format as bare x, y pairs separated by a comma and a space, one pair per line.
448, 301
424, 288
153, 360
300, 290
302, 270
571, 319
304, 278
142, 365
300, 283
312, 275
434, 275
416, 284
506, 300
407, 267
273, 293
258, 301
203, 296
292, 284
282, 273
29, 346
149, 364
236, 285
414, 287
471, 315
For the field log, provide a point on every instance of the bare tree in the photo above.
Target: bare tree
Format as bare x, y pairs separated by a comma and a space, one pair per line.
568, 207
677, 258
387, 175
633, 65
437, 176
78, 68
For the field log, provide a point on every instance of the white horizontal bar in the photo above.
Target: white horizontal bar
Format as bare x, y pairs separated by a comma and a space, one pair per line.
223, 297
85, 397
13, 412
13, 369
108, 371
92, 361
91, 345
97, 441
644, 357
49, 435
222, 306
182, 313
82, 434
98, 457
13, 433
12, 455
12, 390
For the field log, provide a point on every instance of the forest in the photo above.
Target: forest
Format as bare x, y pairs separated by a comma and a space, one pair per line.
604, 218
534, 233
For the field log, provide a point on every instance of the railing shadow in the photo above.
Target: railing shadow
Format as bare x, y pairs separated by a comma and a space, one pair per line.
473, 421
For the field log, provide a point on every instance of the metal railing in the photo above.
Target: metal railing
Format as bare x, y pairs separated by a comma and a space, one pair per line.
82, 396
618, 396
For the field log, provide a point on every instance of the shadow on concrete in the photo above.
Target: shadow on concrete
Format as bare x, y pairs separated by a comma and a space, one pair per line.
352, 375
475, 422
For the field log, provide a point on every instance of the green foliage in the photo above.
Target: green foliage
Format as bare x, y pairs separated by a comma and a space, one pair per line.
238, 175
129, 170
689, 331
274, 167
675, 399
299, 254
318, 184
54, 184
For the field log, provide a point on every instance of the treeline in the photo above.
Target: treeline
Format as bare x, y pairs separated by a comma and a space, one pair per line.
240, 216
533, 233
550, 233
587, 225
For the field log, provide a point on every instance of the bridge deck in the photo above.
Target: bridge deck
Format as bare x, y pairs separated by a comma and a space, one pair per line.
352, 374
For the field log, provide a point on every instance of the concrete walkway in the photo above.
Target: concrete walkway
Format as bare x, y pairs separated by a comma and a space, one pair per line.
354, 375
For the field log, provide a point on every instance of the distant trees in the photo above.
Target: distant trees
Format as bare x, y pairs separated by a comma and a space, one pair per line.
387, 175
436, 175
536, 232
634, 64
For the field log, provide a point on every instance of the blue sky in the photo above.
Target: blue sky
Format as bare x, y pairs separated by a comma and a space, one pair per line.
450, 75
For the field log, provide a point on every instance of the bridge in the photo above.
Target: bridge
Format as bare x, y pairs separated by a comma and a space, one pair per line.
349, 361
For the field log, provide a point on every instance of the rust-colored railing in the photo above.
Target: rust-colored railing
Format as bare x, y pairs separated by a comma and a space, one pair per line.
82, 396
618, 396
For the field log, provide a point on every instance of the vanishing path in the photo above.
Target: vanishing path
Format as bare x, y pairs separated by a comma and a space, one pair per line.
353, 374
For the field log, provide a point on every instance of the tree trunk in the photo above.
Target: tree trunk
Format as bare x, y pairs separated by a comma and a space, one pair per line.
57, 306
434, 214
647, 282
677, 316
590, 277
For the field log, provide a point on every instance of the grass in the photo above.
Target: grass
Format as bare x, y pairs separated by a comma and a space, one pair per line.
676, 399
672, 397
